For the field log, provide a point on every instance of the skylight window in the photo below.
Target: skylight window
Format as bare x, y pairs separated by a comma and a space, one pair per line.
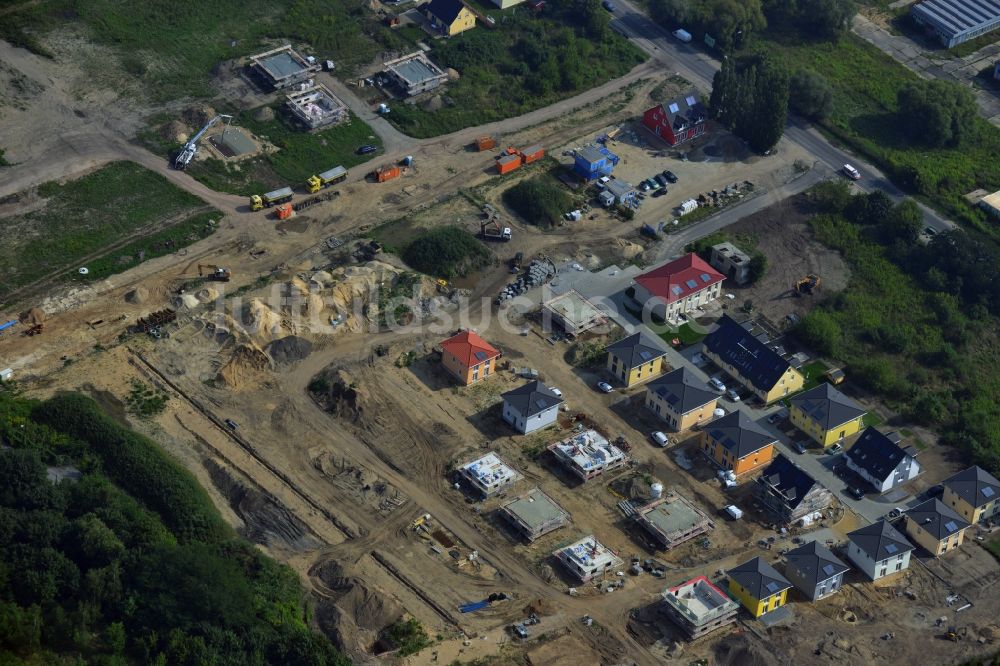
772, 587
691, 284
705, 277
674, 108
987, 492
677, 290
828, 569
691, 101
891, 548
950, 526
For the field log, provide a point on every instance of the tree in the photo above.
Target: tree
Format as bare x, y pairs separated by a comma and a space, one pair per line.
810, 94
872, 208
820, 331
750, 97
903, 223
758, 267
825, 19
937, 113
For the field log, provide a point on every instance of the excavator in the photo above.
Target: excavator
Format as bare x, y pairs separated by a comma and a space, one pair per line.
807, 285
191, 147
216, 273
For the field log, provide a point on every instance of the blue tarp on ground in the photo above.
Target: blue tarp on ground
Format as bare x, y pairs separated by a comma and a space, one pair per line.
474, 606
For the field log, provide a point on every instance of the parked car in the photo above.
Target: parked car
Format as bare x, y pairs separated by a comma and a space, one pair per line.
670, 176
851, 172
232, 424
644, 186
717, 384
365, 149
855, 491
519, 631
930, 231
733, 395
798, 447
607, 4
604, 387
661, 179
682, 35
659, 438
834, 449
660, 193
778, 416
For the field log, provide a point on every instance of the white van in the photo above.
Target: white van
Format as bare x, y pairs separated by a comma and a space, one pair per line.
682, 34
851, 172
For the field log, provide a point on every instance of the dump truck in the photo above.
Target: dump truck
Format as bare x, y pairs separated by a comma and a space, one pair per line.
337, 174
485, 143
214, 272
384, 173
258, 201
492, 230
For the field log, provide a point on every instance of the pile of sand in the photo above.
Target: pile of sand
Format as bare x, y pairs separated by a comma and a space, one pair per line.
207, 295
32, 316
262, 322
321, 279
189, 301
245, 368
353, 612
453, 74
175, 131
629, 250
137, 296
289, 349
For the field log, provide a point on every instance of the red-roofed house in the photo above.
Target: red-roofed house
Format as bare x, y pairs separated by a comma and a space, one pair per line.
468, 357
679, 286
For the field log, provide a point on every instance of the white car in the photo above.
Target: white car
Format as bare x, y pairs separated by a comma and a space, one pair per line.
733, 395
604, 387
556, 391
658, 438
851, 172
717, 384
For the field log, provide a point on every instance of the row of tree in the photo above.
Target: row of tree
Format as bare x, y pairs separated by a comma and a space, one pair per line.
750, 97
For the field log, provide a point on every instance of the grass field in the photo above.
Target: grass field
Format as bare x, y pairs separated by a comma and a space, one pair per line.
865, 83
83, 219
172, 47
300, 155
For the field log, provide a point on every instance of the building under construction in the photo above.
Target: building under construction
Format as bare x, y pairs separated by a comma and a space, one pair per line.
415, 73
282, 67
588, 454
587, 558
317, 107
698, 607
534, 515
671, 521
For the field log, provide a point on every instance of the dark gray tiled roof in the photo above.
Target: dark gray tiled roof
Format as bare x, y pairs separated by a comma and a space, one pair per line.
789, 479
936, 518
816, 562
446, 11
532, 398
682, 390
880, 541
635, 350
754, 360
759, 578
975, 485
876, 453
739, 434
827, 406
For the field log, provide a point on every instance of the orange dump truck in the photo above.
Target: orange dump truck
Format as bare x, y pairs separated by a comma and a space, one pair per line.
508, 163
532, 153
385, 173
485, 143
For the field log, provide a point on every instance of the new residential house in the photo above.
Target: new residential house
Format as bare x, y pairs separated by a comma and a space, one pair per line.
973, 493
587, 558
879, 460
758, 586
634, 359
788, 493
737, 443
680, 399
826, 414
751, 362
451, 17
879, 550
671, 521
489, 474
534, 515
531, 407
588, 454
698, 607
677, 120
814, 570
935, 527
680, 286
468, 357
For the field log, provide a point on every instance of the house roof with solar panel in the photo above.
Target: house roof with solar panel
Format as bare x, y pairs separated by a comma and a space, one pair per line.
936, 518
756, 363
974, 485
469, 349
815, 563
635, 350
532, 398
679, 278
739, 434
759, 578
827, 406
682, 391
685, 111
880, 541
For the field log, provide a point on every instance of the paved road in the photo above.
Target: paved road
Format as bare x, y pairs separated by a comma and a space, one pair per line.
698, 67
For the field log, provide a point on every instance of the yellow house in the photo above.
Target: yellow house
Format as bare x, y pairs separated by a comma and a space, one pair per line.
449, 16
739, 352
634, 359
758, 586
935, 527
680, 399
826, 414
973, 494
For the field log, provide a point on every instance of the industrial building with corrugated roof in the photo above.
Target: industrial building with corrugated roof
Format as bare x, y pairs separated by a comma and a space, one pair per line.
957, 21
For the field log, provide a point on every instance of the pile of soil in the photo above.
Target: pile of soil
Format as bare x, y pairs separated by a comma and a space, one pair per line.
207, 295
343, 397
186, 301
289, 349
263, 114
629, 250
198, 115
137, 296
434, 103
175, 131
245, 367
352, 612
32, 316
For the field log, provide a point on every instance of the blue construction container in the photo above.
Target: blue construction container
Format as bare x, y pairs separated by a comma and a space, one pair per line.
591, 162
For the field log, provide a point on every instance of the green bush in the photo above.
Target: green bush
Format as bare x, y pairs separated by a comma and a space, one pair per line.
408, 636
446, 252
539, 200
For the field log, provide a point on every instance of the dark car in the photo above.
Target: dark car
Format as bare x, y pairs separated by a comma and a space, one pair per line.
232, 424
607, 4
368, 148
659, 193
669, 175
855, 491
798, 447
660, 179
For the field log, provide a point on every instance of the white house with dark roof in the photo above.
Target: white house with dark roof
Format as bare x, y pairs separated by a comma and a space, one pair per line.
881, 461
973, 493
935, 527
814, 570
531, 407
879, 550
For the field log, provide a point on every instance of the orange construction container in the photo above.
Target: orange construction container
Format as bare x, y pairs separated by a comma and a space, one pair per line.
385, 173
508, 163
284, 211
533, 153
485, 143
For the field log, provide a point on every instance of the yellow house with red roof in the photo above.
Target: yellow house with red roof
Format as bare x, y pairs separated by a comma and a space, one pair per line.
468, 357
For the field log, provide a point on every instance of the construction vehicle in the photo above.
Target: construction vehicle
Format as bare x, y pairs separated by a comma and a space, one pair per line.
216, 273
954, 634
34, 330
492, 230
384, 173
191, 147
442, 286
807, 285
259, 201
337, 174
284, 211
